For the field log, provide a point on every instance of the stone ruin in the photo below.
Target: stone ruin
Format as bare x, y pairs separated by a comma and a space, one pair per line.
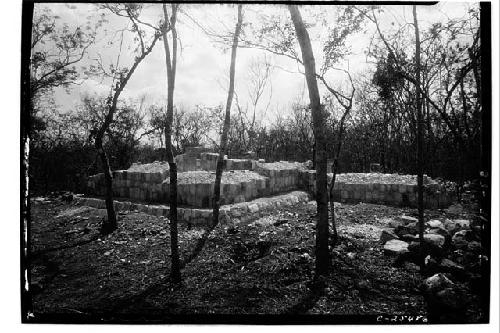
242, 180
245, 180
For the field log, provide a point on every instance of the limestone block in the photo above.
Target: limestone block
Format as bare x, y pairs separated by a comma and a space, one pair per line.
143, 208
126, 205
354, 195
261, 184
100, 204
188, 214
434, 239
395, 247
239, 198
132, 193
132, 176
225, 190
262, 205
434, 224
294, 199
235, 211
234, 190
206, 214
156, 195
156, 177
250, 190
190, 191
387, 235
118, 205
253, 208
255, 188
165, 188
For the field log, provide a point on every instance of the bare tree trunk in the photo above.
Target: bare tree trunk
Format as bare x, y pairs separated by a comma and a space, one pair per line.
110, 224
171, 62
319, 129
335, 235
420, 144
227, 119
334, 176
484, 90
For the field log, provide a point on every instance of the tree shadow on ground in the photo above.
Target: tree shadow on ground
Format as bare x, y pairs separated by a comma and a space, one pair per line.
136, 299
316, 291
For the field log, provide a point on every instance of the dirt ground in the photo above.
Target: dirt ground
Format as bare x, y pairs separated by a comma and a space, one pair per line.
262, 267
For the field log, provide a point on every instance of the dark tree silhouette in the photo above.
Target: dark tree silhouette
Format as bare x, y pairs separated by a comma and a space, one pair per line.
120, 80
420, 143
227, 120
319, 129
171, 62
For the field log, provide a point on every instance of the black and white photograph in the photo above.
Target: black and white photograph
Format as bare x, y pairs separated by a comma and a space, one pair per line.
257, 163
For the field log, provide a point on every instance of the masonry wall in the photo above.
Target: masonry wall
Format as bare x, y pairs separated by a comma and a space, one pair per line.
243, 211
245, 179
397, 194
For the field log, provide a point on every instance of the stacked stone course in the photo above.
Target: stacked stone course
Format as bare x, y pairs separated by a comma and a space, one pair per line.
243, 211
390, 189
246, 179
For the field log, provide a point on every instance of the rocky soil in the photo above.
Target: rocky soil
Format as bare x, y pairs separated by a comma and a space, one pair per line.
261, 266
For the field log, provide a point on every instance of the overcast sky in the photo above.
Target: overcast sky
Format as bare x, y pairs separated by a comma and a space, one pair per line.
203, 65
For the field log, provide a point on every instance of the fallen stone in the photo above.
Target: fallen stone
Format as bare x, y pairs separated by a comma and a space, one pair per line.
455, 209
456, 225
409, 238
474, 247
436, 283
434, 224
428, 248
448, 266
451, 226
434, 239
451, 298
395, 247
253, 208
461, 239
387, 235
464, 224
407, 219
412, 267
390, 222
439, 231
406, 229
445, 300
